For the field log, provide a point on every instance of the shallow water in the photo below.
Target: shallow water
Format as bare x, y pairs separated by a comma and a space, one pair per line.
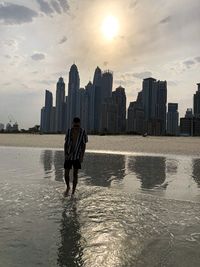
129, 210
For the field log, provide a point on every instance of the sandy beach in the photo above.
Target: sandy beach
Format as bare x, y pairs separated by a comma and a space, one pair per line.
161, 145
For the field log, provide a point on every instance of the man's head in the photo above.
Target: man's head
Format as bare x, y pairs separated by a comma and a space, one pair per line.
76, 122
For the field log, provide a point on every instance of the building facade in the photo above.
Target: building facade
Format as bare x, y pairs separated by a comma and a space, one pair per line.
172, 119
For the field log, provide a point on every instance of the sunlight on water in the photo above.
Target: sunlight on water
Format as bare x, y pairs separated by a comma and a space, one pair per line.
128, 211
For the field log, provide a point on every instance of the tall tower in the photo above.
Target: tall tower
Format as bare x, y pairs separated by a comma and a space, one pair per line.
119, 97
97, 98
91, 97
196, 102
172, 119
161, 105
46, 112
154, 98
107, 83
60, 99
149, 97
73, 93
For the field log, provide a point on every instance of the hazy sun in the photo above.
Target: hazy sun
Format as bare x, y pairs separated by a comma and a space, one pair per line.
110, 27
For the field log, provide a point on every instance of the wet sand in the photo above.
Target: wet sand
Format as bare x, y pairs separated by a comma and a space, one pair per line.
162, 145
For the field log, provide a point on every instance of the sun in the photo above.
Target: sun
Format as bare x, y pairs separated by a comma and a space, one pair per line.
110, 27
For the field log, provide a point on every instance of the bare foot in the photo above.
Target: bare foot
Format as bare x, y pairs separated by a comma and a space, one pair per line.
66, 193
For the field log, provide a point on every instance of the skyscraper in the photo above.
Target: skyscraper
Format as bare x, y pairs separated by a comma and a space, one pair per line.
60, 99
172, 119
135, 120
109, 110
97, 81
106, 85
196, 102
46, 112
154, 95
84, 108
119, 97
161, 108
91, 98
73, 94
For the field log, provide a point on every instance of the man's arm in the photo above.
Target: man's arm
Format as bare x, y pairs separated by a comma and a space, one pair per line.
66, 143
83, 147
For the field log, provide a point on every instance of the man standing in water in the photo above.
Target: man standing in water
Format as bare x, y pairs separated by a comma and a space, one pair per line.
75, 144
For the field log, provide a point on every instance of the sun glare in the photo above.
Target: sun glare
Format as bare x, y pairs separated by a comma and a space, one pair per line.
110, 27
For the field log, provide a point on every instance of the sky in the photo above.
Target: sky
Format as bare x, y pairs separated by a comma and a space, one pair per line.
40, 40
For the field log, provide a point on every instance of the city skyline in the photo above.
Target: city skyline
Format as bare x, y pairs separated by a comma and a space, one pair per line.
41, 39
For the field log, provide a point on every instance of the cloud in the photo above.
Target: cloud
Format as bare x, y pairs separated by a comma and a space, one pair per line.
165, 20
16, 14
197, 59
45, 7
64, 4
189, 63
142, 75
63, 40
38, 56
56, 6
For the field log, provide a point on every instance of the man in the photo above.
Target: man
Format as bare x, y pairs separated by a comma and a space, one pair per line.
75, 144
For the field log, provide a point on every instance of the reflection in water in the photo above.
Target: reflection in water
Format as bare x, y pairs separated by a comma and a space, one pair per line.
150, 170
196, 171
70, 251
58, 164
102, 169
171, 166
47, 159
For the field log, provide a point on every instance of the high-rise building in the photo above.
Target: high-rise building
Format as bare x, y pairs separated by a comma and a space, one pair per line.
149, 97
106, 85
1, 126
42, 119
119, 97
188, 113
91, 98
172, 119
106, 104
154, 98
161, 104
73, 95
46, 113
65, 115
108, 121
196, 102
186, 123
97, 82
53, 120
60, 99
135, 120
84, 108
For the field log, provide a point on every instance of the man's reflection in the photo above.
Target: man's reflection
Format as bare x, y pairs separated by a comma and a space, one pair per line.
102, 169
58, 164
47, 160
150, 170
196, 171
70, 251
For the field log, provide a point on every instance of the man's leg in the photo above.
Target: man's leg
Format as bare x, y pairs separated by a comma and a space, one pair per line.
67, 180
75, 180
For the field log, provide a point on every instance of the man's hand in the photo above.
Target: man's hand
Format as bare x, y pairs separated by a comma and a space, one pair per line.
67, 156
81, 158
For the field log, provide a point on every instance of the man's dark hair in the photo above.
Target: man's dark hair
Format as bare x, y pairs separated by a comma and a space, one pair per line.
76, 120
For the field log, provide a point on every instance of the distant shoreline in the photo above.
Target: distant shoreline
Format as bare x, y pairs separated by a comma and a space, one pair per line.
128, 143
